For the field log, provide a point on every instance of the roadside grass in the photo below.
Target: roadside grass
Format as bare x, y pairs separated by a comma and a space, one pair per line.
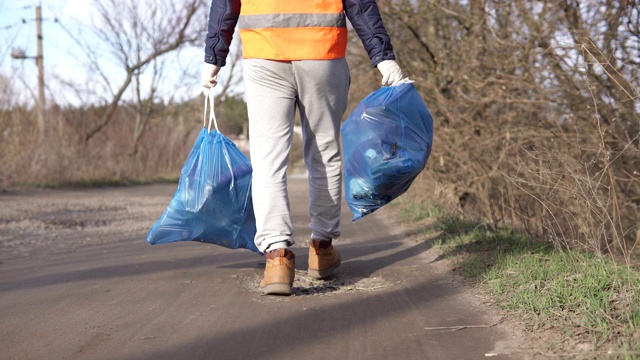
411, 211
589, 302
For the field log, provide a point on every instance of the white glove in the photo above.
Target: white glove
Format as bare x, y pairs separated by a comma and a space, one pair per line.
209, 76
391, 73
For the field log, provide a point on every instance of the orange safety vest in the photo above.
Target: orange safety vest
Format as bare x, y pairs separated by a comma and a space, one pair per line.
293, 29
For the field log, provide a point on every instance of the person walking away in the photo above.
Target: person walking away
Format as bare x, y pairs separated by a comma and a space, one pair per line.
294, 57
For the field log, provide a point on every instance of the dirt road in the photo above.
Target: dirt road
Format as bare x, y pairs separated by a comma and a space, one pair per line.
78, 281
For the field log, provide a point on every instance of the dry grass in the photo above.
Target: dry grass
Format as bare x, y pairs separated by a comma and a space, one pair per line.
63, 157
536, 115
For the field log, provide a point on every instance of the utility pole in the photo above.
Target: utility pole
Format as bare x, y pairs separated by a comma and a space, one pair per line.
19, 54
39, 57
40, 63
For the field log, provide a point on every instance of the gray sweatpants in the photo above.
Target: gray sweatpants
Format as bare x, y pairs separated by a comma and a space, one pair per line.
318, 88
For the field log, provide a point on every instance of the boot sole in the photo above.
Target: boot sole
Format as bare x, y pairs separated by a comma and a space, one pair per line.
277, 289
322, 274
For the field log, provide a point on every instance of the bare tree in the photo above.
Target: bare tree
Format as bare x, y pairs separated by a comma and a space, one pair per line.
138, 34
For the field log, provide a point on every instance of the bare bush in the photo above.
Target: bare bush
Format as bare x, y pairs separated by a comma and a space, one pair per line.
536, 107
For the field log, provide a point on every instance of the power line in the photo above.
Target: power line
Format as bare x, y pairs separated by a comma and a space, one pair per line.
69, 33
21, 22
24, 7
24, 21
11, 42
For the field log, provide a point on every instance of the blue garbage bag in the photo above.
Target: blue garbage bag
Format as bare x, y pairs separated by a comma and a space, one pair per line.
212, 203
386, 143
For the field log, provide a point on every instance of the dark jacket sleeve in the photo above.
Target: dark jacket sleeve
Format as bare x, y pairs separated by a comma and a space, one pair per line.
223, 17
365, 17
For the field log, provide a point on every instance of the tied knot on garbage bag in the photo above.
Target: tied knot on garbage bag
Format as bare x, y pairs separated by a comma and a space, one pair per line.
386, 143
212, 203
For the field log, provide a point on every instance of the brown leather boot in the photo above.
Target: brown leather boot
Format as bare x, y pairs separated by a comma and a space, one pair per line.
323, 259
279, 272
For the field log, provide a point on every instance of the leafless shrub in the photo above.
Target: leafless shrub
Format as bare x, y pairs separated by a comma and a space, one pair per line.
536, 107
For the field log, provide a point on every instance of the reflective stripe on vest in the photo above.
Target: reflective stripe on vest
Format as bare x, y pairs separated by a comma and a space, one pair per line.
292, 21
293, 30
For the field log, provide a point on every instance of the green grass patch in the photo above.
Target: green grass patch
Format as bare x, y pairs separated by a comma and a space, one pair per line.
411, 211
589, 298
586, 298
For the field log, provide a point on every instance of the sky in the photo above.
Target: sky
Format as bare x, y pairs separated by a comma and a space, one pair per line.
64, 59
18, 28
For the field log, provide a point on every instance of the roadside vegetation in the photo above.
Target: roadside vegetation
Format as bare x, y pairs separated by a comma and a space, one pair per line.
534, 176
581, 304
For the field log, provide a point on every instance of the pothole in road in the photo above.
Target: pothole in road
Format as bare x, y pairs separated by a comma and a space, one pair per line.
304, 285
74, 223
80, 218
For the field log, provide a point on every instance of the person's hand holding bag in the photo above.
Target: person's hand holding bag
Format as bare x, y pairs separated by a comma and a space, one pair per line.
209, 75
391, 73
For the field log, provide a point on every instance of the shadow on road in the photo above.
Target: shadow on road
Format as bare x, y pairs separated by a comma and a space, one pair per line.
127, 268
298, 331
